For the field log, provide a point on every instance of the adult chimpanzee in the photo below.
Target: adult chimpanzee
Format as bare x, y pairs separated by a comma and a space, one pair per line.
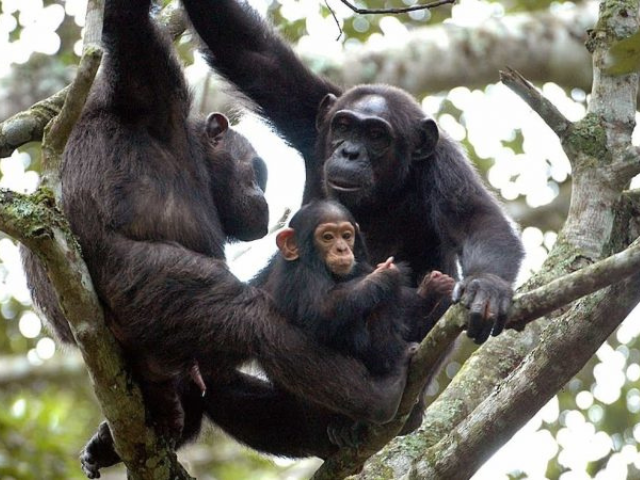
322, 281
145, 193
409, 186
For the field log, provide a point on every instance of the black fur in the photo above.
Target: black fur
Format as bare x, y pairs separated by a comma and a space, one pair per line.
418, 198
360, 314
422, 202
152, 194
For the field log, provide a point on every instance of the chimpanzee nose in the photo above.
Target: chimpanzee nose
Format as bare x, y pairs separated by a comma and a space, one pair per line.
350, 152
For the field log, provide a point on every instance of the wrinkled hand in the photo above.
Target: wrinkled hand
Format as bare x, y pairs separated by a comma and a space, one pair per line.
438, 283
488, 298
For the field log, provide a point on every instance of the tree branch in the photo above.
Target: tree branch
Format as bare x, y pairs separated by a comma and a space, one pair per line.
501, 414
57, 132
543, 107
598, 222
526, 308
444, 56
35, 222
28, 126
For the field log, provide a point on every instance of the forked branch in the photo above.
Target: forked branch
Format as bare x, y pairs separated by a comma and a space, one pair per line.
526, 308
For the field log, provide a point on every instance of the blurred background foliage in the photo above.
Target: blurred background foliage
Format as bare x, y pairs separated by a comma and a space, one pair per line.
591, 429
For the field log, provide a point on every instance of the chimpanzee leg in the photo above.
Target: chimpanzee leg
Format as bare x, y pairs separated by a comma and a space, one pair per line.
99, 452
267, 418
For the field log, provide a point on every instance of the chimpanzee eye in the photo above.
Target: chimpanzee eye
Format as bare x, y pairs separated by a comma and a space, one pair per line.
377, 134
347, 235
341, 126
327, 237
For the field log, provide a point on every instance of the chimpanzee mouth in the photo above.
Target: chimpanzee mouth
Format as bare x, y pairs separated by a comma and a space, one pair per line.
342, 186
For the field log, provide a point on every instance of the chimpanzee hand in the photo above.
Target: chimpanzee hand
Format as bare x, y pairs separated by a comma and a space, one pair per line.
438, 283
488, 298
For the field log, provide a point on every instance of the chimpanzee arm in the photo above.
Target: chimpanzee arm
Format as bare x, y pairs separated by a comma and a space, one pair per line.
249, 53
348, 305
489, 248
140, 72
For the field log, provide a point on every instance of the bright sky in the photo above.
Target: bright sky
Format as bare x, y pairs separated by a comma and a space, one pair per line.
491, 116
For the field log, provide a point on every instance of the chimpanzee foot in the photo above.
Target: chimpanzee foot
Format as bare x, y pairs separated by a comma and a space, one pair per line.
99, 452
346, 433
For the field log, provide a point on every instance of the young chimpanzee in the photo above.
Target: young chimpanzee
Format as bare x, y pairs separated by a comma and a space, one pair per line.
322, 281
147, 191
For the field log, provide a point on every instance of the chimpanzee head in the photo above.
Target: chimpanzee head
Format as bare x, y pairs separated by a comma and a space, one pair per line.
371, 137
323, 234
239, 178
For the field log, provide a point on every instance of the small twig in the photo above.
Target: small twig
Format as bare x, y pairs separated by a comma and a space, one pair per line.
335, 18
543, 107
282, 221
57, 133
413, 8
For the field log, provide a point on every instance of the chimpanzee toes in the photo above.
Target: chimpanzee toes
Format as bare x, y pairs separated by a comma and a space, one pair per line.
346, 435
89, 465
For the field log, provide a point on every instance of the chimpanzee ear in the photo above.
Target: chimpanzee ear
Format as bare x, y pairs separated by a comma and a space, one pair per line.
325, 105
287, 244
428, 139
217, 125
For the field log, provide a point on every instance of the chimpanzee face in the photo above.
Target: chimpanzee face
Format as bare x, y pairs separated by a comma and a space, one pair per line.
360, 139
334, 243
371, 139
323, 235
239, 178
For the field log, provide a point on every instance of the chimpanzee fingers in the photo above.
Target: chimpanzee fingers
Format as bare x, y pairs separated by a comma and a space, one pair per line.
484, 333
503, 314
477, 310
89, 468
388, 263
445, 285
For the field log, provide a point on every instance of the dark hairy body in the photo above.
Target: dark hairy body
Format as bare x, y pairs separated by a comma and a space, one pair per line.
323, 282
409, 186
152, 194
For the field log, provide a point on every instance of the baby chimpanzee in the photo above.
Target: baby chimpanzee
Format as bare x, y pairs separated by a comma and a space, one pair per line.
323, 282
